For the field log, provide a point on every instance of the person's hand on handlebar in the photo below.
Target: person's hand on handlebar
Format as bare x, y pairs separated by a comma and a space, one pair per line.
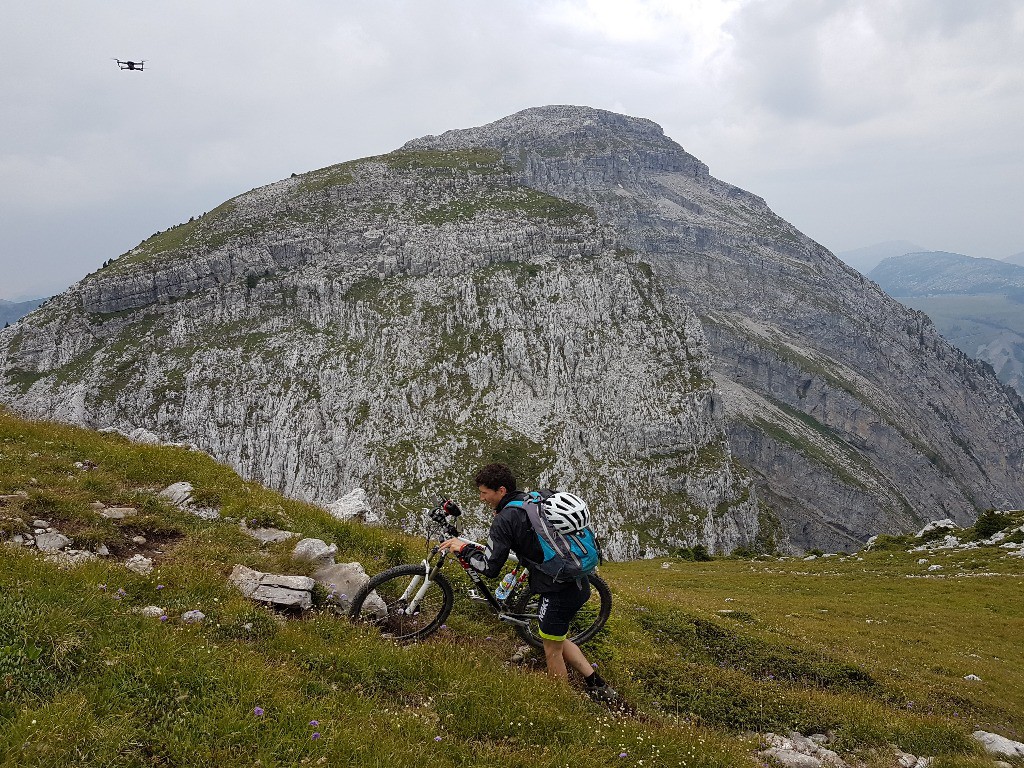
456, 545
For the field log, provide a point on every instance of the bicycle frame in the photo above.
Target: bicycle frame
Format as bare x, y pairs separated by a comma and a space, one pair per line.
420, 584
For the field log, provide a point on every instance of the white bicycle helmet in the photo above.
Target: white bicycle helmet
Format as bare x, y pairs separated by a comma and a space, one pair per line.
568, 513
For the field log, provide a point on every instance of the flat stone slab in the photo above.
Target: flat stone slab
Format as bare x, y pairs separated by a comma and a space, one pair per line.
301, 583
284, 597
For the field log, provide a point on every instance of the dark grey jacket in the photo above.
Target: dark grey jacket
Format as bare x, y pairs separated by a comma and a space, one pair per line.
511, 531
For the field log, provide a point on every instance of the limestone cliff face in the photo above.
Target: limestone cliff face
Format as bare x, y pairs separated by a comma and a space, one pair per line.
565, 289
392, 323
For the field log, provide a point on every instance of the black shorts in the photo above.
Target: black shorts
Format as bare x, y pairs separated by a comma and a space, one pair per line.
558, 609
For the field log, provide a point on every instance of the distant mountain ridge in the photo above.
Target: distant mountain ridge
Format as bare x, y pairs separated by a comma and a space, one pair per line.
978, 304
938, 272
867, 258
12, 311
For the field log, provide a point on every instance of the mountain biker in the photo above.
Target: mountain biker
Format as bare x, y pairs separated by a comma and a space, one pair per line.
560, 602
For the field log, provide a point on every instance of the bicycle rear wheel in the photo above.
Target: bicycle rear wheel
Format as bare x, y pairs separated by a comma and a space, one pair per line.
587, 623
386, 601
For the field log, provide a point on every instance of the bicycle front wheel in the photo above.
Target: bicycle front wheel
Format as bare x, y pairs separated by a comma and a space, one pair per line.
587, 623
395, 601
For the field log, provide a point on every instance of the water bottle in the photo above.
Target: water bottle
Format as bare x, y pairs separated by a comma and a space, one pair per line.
506, 585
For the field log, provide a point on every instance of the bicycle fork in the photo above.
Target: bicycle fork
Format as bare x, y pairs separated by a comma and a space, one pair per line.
413, 605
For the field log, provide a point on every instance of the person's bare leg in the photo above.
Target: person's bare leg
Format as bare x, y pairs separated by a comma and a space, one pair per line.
575, 658
553, 655
558, 652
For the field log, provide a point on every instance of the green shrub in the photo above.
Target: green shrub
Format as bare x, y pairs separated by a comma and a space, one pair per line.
989, 523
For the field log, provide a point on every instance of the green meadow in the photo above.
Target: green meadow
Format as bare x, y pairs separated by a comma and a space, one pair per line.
872, 649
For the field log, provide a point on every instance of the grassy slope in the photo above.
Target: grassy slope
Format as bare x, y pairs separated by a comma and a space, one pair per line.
851, 646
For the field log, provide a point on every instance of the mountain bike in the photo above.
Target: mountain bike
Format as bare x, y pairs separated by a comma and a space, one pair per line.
411, 602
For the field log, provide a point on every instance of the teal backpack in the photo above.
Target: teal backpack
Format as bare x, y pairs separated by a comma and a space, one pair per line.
562, 524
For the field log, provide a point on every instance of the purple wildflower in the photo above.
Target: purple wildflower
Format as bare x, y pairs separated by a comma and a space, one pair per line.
159, 586
163, 618
314, 723
258, 711
103, 587
437, 738
622, 754
315, 736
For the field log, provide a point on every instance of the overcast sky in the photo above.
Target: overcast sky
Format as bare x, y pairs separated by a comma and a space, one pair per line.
859, 121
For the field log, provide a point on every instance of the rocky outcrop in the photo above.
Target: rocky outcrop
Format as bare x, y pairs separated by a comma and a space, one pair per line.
567, 290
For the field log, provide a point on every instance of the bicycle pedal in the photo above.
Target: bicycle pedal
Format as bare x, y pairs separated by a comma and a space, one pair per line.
474, 595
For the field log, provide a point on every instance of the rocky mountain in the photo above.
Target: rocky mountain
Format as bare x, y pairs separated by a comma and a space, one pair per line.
12, 311
867, 258
566, 289
1016, 258
978, 304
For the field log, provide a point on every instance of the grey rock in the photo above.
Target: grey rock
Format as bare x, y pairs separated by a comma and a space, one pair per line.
153, 612
41, 524
102, 550
790, 758
283, 597
139, 540
936, 524
269, 535
179, 494
277, 589
71, 557
995, 744
315, 550
118, 513
299, 583
246, 579
52, 542
343, 580
354, 505
139, 564
193, 617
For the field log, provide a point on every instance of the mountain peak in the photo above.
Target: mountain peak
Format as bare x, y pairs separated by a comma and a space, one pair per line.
555, 126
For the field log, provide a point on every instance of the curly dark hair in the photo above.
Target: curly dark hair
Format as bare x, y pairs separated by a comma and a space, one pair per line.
495, 476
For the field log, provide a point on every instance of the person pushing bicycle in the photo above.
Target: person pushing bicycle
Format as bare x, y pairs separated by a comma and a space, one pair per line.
511, 530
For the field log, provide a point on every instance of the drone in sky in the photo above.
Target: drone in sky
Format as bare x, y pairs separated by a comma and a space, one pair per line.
133, 65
